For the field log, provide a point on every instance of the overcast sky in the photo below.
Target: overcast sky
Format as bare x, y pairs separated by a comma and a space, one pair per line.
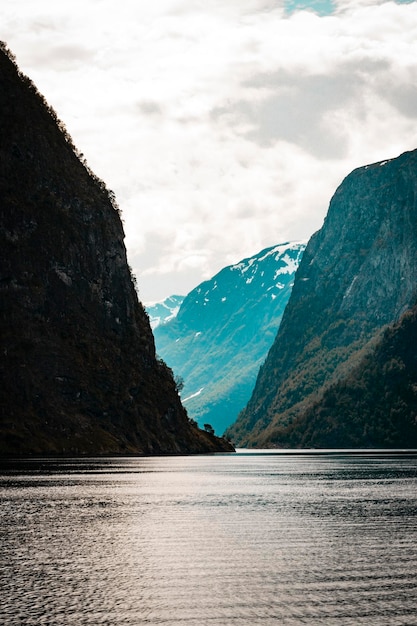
222, 126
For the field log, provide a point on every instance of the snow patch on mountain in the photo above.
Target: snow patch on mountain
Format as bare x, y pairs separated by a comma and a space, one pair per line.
164, 311
290, 266
194, 395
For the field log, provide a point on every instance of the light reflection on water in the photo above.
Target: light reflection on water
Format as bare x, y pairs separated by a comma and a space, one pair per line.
216, 540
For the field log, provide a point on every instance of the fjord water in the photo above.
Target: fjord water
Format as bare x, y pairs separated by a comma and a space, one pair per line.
217, 540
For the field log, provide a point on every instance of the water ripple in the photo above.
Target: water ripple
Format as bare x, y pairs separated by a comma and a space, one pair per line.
209, 540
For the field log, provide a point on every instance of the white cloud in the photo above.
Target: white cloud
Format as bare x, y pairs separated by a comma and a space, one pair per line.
223, 128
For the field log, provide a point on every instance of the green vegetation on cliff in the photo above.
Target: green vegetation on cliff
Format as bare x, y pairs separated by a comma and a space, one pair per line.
375, 406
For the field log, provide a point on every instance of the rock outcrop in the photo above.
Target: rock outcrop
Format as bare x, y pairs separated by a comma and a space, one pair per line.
78, 365
358, 276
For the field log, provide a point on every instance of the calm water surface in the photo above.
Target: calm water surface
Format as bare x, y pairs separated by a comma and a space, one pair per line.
216, 540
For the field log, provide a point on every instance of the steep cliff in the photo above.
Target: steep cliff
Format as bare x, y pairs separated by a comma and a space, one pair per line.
78, 366
358, 275
224, 329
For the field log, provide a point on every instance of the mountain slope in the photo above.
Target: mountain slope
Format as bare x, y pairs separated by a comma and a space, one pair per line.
358, 275
375, 406
78, 368
223, 331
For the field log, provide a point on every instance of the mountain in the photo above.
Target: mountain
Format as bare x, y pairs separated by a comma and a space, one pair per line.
357, 278
78, 369
223, 331
162, 312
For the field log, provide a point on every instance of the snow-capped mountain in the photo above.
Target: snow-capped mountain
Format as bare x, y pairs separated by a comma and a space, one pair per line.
162, 312
223, 331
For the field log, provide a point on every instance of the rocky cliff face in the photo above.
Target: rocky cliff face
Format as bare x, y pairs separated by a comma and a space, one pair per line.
357, 276
78, 366
224, 329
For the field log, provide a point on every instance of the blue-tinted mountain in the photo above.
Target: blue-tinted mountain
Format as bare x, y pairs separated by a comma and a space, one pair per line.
163, 312
79, 373
338, 374
223, 331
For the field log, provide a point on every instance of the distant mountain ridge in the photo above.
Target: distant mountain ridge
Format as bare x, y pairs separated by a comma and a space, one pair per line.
223, 330
357, 278
164, 311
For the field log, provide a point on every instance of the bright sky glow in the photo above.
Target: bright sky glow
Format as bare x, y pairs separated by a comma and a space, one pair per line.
222, 127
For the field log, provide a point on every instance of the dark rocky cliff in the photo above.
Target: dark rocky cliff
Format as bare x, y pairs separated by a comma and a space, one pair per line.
358, 275
78, 366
